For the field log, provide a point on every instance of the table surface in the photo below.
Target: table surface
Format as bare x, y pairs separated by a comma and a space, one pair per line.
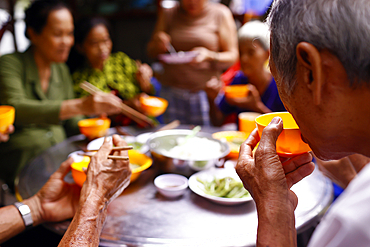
143, 217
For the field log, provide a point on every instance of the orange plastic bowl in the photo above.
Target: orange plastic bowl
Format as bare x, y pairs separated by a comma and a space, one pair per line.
236, 91
7, 114
143, 162
94, 127
234, 139
289, 142
153, 106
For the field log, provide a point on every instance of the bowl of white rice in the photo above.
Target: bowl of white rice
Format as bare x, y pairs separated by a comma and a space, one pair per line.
174, 152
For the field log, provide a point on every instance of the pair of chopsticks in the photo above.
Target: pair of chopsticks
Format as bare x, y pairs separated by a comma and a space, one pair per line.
126, 110
113, 157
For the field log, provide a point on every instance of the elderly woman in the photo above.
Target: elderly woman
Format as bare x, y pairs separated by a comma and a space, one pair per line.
206, 28
39, 86
93, 61
263, 96
320, 60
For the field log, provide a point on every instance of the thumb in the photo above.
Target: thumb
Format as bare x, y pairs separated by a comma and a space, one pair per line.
270, 134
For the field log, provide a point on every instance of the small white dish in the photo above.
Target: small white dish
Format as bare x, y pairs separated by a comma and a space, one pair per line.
171, 185
208, 175
76, 157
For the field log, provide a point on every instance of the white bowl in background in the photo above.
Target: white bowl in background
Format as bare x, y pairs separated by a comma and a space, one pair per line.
171, 185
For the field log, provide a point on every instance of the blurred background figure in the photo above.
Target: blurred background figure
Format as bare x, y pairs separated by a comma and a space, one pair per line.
206, 28
262, 95
91, 60
39, 86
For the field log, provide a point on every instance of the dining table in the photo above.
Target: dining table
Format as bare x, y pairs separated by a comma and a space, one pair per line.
141, 216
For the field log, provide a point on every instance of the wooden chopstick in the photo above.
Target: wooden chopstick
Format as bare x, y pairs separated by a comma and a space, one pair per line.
128, 111
112, 157
169, 126
113, 149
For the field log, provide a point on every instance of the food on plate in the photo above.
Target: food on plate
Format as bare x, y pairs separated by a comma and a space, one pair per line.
226, 187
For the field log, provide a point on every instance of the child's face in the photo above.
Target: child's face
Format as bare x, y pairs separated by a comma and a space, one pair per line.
252, 57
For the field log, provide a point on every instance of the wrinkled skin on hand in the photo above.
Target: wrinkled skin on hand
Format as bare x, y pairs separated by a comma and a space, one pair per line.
107, 178
267, 176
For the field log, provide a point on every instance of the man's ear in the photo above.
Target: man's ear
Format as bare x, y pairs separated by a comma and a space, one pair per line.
309, 61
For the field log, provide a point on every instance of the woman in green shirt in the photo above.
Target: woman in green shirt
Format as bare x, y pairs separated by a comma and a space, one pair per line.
38, 84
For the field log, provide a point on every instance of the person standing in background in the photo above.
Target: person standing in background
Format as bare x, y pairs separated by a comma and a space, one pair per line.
209, 30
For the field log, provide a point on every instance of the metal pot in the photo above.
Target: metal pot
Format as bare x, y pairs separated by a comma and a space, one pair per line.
163, 141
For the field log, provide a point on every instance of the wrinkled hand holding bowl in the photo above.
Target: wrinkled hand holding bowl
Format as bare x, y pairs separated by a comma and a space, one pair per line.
171, 185
179, 57
289, 142
153, 106
94, 127
236, 91
7, 114
234, 139
141, 160
247, 121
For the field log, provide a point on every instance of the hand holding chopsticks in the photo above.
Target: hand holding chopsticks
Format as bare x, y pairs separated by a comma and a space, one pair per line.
113, 157
125, 109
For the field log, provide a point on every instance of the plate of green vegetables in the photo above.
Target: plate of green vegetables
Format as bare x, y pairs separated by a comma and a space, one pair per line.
219, 185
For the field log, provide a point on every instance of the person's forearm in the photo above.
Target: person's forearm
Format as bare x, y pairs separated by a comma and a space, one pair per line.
276, 227
152, 49
86, 226
225, 59
71, 108
11, 222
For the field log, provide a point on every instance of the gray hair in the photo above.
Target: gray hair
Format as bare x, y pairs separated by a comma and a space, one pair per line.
340, 26
255, 30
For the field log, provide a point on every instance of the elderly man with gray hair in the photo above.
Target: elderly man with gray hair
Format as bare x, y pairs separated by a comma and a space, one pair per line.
320, 59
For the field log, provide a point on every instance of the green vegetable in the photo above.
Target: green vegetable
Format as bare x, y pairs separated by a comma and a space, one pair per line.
226, 187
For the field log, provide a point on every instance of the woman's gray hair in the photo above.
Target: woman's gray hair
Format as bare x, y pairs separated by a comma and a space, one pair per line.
340, 26
255, 30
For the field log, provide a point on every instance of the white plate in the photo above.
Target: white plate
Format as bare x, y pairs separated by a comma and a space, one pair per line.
209, 175
178, 58
96, 144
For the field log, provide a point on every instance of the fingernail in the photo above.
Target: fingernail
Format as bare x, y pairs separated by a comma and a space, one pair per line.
108, 139
275, 120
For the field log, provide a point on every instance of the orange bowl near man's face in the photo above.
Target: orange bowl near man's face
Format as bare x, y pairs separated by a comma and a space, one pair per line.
289, 142
94, 127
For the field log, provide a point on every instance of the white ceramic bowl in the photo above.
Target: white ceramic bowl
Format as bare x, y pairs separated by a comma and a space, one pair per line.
171, 185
